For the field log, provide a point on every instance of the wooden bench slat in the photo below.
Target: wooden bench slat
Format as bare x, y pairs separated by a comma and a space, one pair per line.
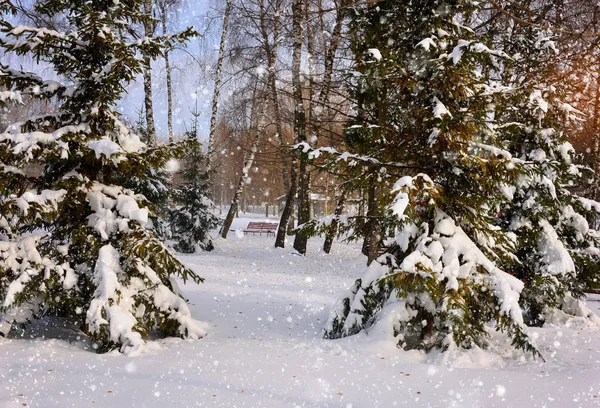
260, 227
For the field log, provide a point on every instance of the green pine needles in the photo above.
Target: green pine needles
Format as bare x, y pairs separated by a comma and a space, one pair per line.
73, 239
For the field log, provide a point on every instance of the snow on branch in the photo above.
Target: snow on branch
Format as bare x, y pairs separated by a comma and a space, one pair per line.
350, 158
113, 208
26, 143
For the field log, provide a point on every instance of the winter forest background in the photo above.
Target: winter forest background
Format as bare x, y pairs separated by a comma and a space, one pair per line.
299, 203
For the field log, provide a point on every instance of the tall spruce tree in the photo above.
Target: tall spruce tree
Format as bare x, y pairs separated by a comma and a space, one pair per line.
439, 285
193, 218
73, 241
557, 253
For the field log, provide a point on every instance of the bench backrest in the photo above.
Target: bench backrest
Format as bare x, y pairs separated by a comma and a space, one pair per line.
262, 225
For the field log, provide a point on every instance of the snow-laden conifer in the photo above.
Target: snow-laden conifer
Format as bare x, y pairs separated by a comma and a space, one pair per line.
193, 218
73, 240
557, 253
422, 121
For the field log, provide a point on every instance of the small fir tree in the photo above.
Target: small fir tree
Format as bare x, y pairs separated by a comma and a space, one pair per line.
194, 218
438, 286
73, 240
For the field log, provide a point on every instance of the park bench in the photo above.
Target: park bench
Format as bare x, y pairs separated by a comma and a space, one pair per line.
260, 228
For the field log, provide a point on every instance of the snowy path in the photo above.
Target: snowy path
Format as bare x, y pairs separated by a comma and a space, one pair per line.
266, 308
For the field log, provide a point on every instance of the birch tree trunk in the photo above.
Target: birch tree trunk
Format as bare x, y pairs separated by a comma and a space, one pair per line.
217, 90
330, 52
249, 160
148, 32
271, 52
299, 126
301, 238
163, 11
312, 126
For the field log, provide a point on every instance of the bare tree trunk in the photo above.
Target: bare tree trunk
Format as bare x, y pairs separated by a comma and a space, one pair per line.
310, 136
262, 105
271, 52
163, 10
330, 52
372, 231
315, 123
217, 90
312, 126
301, 238
339, 208
595, 191
373, 226
299, 127
288, 208
148, 32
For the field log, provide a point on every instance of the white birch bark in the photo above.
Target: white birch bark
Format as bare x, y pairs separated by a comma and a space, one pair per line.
163, 7
248, 162
217, 89
148, 32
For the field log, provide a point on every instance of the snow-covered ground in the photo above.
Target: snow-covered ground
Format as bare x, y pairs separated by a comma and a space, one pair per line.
266, 308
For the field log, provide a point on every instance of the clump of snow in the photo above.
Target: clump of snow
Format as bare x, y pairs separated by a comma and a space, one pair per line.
113, 208
439, 109
566, 150
457, 52
401, 200
573, 313
427, 43
11, 96
105, 147
375, 53
555, 256
538, 101
46, 199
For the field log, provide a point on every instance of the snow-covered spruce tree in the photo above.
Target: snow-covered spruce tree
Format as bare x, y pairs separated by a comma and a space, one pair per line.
438, 286
154, 185
193, 218
73, 241
557, 250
